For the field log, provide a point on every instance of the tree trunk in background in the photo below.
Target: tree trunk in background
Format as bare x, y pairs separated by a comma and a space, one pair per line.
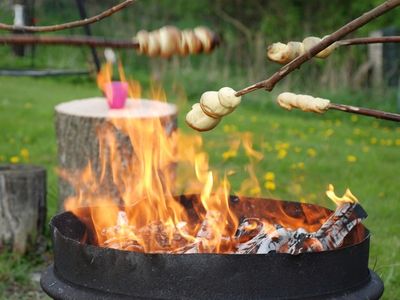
22, 206
77, 123
375, 53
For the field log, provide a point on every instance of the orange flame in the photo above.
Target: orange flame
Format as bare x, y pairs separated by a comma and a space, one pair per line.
130, 192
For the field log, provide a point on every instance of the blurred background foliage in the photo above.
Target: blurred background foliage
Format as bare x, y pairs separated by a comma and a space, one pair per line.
246, 28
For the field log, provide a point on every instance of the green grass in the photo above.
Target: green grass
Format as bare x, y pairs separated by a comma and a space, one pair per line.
304, 151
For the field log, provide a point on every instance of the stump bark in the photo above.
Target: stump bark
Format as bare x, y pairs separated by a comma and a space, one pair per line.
77, 125
22, 206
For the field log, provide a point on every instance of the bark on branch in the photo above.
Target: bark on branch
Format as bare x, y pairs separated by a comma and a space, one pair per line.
29, 39
370, 40
68, 25
270, 83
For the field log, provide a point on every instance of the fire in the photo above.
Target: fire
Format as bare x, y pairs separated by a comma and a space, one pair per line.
347, 197
139, 210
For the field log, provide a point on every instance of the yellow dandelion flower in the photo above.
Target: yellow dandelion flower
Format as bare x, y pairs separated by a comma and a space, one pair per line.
270, 185
373, 140
356, 131
229, 128
365, 149
397, 142
24, 153
354, 118
329, 132
386, 142
14, 159
2, 158
311, 152
269, 176
351, 158
300, 165
282, 153
349, 142
266, 146
255, 191
229, 154
282, 145
275, 126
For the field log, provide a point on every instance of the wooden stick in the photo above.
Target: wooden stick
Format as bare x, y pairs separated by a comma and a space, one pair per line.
365, 112
68, 25
25, 39
270, 83
370, 40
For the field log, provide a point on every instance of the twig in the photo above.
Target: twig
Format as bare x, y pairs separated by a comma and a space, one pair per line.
67, 41
370, 40
269, 83
68, 25
365, 112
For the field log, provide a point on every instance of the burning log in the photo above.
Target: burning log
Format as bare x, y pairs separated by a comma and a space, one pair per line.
78, 124
255, 236
22, 206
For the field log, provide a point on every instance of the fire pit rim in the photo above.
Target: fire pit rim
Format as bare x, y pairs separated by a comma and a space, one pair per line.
170, 276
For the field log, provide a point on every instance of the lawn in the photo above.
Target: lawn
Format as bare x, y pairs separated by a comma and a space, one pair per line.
297, 156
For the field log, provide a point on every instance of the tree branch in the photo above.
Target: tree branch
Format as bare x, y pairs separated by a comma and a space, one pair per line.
20, 39
370, 40
270, 83
365, 112
68, 25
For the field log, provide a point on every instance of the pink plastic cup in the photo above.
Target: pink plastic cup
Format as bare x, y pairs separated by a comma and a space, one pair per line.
116, 93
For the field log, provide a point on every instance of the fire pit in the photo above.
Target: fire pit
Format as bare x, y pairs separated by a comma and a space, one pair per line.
83, 270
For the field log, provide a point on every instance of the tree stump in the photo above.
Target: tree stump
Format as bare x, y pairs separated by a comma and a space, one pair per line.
77, 125
22, 206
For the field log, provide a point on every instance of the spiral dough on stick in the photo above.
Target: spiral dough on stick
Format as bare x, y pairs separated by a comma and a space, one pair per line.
213, 106
169, 40
285, 53
303, 102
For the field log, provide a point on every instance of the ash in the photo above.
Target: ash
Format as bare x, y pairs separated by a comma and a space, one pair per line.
253, 235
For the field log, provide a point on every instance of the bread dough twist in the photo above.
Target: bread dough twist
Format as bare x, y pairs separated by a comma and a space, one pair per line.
303, 102
169, 40
285, 53
212, 107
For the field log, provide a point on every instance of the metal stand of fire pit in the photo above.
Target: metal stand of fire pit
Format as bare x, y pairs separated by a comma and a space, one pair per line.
83, 271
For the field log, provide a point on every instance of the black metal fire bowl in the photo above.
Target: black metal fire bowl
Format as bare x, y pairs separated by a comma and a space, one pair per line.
84, 271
